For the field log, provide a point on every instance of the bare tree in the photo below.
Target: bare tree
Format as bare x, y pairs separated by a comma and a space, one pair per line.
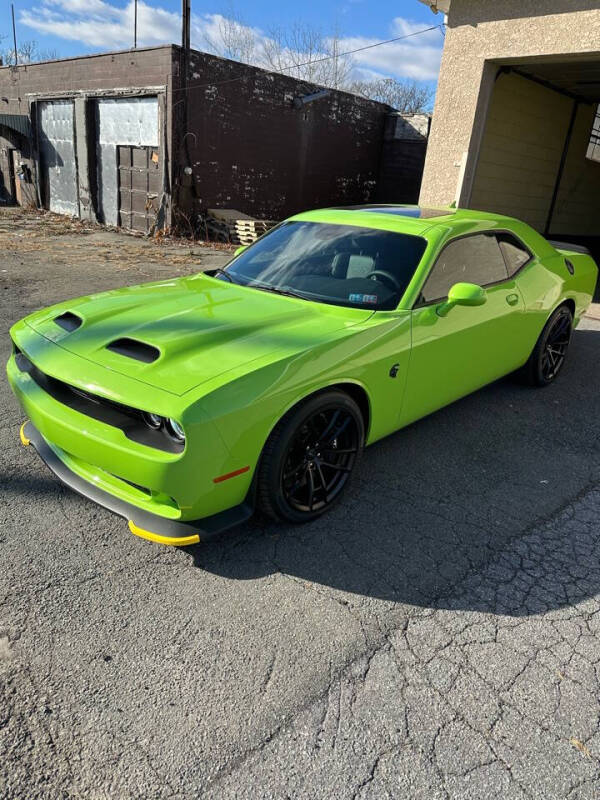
406, 96
232, 39
28, 52
298, 50
305, 53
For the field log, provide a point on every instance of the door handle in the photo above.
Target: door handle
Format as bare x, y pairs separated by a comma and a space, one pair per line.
512, 299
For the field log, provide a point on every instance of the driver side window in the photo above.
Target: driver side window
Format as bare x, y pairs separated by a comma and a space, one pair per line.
470, 259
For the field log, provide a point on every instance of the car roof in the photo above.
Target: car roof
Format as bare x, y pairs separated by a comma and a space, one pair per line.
413, 218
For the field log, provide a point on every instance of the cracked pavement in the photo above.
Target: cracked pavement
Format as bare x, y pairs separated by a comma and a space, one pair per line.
435, 636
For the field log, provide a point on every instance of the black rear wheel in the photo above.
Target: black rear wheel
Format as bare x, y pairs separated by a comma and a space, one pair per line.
309, 458
549, 354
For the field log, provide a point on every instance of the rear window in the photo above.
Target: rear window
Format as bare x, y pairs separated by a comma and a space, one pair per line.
338, 264
515, 254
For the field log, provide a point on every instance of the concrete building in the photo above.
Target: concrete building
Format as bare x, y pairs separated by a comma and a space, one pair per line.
151, 137
515, 126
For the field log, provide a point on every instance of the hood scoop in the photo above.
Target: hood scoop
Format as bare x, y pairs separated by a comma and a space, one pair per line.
131, 348
68, 321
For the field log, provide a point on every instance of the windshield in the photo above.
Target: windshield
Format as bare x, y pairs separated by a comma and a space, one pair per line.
339, 264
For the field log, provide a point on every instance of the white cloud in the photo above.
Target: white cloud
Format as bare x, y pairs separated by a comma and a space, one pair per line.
102, 25
97, 23
417, 58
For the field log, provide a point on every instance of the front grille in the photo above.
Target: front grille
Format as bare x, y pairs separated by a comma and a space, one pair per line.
127, 419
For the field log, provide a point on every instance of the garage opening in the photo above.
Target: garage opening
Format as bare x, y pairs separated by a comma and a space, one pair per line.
539, 158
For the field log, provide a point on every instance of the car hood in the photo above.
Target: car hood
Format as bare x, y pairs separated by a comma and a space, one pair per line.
180, 333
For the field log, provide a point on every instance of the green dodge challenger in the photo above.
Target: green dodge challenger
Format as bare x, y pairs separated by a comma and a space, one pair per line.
184, 405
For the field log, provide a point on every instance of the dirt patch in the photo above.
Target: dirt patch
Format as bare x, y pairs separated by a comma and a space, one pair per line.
29, 238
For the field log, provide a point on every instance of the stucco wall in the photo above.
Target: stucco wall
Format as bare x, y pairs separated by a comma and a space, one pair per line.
480, 32
520, 152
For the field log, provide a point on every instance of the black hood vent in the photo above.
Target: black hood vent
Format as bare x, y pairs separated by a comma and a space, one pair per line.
131, 348
68, 321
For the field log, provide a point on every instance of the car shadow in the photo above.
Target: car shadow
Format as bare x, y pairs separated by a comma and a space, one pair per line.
433, 505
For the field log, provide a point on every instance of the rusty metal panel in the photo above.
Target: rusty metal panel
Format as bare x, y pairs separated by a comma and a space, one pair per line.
57, 156
138, 177
123, 121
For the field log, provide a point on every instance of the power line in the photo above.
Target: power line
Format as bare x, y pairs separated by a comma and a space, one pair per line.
283, 70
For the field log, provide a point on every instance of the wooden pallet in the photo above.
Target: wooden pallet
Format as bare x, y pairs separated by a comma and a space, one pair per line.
230, 225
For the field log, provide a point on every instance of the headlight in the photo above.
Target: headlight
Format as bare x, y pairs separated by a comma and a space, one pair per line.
175, 430
153, 421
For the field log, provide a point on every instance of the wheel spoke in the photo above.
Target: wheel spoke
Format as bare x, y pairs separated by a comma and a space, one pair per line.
311, 490
297, 485
339, 450
337, 467
330, 425
339, 430
322, 477
291, 473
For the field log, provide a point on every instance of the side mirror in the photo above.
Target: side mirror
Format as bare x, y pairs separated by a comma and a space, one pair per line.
462, 294
240, 250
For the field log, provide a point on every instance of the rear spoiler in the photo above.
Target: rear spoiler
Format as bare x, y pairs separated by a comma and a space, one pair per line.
574, 248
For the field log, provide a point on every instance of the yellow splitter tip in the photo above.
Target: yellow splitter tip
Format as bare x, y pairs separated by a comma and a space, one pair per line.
176, 541
24, 440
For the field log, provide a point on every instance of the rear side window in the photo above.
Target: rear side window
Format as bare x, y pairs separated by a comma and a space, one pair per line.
471, 259
515, 254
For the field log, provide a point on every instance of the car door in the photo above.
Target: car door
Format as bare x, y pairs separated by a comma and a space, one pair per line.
456, 354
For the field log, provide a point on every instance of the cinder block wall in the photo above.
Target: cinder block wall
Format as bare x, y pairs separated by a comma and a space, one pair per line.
250, 149
403, 157
86, 75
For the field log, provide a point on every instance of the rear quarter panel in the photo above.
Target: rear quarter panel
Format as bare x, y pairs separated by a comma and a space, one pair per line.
547, 283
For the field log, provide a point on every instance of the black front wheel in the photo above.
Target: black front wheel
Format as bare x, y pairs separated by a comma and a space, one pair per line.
550, 351
309, 458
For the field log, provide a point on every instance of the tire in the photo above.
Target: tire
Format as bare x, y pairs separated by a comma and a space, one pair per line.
548, 356
310, 457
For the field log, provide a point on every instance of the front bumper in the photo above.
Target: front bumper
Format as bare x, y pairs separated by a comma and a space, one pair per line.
143, 523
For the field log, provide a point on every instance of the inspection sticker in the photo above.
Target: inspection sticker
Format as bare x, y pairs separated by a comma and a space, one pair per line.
363, 298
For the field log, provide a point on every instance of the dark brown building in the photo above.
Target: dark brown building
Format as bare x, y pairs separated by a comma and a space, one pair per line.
148, 138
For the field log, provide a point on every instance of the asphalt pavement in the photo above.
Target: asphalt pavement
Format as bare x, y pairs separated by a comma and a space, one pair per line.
435, 636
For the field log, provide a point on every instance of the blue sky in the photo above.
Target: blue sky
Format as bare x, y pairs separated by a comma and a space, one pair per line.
73, 27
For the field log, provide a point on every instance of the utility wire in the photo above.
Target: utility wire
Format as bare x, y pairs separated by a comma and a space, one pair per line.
283, 70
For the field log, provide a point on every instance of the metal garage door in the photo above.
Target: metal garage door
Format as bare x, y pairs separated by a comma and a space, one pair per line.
139, 184
128, 161
57, 156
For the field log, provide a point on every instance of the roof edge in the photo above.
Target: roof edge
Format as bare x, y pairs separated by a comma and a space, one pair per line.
438, 5
88, 55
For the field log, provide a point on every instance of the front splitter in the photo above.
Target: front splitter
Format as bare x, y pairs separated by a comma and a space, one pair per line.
142, 523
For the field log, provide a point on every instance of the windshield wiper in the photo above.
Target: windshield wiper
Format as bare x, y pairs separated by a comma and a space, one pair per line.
219, 271
267, 287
